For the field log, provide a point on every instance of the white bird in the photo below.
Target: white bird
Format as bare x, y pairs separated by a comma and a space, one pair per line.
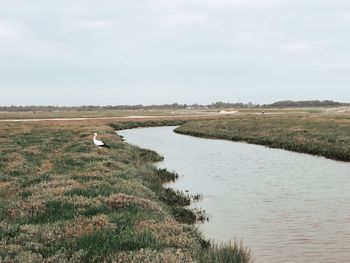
100, 143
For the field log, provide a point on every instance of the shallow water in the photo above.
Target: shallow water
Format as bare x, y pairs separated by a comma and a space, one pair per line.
288, 207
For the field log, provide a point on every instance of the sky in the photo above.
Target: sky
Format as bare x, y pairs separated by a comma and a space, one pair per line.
112, 52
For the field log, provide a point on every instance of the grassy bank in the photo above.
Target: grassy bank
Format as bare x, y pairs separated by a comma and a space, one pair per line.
64, 200
148, 123
325, 135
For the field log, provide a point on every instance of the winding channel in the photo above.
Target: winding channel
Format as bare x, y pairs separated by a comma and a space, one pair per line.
286, 206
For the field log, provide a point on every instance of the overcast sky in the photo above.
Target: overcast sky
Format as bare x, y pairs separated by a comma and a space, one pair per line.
163, 51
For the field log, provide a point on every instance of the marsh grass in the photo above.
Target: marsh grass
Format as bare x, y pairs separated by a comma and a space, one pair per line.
233, 252
150, 123
166, 176
64, 200
324, 135
150, 156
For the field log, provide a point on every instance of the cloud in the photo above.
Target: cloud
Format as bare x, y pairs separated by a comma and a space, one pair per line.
95, 25
178, 19
239, 3
8, 32
215, 4
237, 48
274, 40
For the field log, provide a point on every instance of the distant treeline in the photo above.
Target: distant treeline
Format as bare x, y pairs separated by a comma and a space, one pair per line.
127, 107
216, 105
305, 104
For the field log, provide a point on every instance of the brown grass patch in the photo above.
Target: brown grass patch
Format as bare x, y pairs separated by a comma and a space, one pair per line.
84, 226
153, 256
169, 231
34, 149
46, 165
4, 184
123, 200
57, 186
16, 160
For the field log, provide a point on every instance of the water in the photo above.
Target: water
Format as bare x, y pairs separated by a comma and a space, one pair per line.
288, 207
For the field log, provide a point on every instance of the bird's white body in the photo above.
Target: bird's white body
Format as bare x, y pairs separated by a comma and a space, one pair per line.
98, 142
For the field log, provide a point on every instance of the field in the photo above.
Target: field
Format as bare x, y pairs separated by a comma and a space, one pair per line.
98, 114
64, 200
144, 113
77, 114
321, 134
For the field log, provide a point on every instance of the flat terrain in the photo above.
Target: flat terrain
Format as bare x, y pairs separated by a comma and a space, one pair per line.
325, 134
64, 200
160, 113
75, 114
100, 114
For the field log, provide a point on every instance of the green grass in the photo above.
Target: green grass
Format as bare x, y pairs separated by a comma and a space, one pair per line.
324, 135
64, 200
227, 252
